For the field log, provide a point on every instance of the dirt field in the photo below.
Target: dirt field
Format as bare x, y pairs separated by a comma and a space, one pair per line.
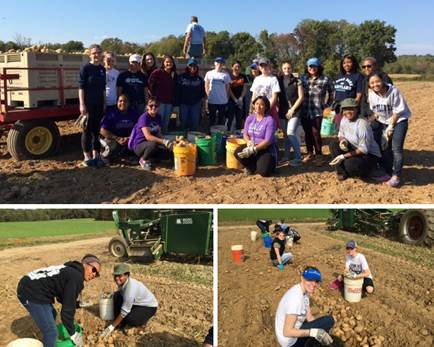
183, 318
61, 180
401, 309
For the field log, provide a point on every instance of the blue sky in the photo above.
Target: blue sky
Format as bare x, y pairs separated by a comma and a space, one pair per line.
146, 21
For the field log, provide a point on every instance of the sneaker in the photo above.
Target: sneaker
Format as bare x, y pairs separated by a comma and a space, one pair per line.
393, 182
146, 165
308, 158
295, 162
247, 172
100, 162
88, 163
341, 176
380, 179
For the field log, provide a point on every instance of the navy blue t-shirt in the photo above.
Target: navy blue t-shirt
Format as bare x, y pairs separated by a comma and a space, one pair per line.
118, 123
347, 86
133, 85
189, 89
92, 80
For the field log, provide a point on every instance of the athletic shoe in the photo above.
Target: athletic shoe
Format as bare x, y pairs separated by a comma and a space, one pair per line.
380, 179
308, 158
247, 172
341, 176
295, 162
88, 163
393, 182
146, 165
100, 162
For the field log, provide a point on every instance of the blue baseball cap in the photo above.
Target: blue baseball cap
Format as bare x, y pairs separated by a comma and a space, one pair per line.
191, 61
312, 274
254, 66
313, 62
351, 244
220, 60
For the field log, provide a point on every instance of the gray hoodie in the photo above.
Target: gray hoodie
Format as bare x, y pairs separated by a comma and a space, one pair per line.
391, 102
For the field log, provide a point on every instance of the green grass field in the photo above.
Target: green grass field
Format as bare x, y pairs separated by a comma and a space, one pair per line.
17, 234
291, 214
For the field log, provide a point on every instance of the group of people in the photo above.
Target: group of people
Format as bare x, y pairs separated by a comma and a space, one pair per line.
127, 109
294, 323
133, 303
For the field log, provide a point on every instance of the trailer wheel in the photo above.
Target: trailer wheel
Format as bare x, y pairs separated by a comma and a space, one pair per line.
417, 227
117, 247
33, 140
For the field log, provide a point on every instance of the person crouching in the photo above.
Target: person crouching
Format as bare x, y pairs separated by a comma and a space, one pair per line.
277, 252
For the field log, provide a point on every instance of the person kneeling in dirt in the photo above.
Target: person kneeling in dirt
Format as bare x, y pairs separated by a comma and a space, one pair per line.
356, 266
355, 153
277, 252
146, 139
116, 127
133, 304
295, 325
38, 289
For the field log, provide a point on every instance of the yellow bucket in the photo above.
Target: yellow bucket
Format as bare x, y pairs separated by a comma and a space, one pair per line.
185, 159
231, 145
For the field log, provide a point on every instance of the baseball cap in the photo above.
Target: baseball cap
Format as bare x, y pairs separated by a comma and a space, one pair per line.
120, 269
263, 61
349, 103
192, 61
220, 60
351, 244
312, 274
313, 61
254, 66
135, 58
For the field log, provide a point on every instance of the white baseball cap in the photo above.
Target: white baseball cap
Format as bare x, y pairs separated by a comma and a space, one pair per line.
135, 58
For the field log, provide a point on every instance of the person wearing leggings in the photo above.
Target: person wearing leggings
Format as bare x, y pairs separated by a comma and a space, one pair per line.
92, 83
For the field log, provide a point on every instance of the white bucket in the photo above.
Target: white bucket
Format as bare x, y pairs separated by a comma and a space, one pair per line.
106, 311
289, 242
353, 289
26, 342
253, 235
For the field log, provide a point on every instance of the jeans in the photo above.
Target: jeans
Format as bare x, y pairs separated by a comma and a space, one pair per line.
293, 139
166, 112
325, 322
286, 257
44, 316
393, 157
190, 116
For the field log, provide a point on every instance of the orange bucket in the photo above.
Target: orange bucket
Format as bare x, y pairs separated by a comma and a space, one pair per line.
237, 253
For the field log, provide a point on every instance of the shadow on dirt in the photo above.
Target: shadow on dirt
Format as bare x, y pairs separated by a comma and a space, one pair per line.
165, 339
422, 158
25, 327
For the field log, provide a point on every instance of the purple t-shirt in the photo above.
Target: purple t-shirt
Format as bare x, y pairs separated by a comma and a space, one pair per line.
119, 123
259, 131
145, 121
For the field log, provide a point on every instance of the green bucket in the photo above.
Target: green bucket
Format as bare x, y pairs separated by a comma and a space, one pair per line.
206, 150
328, 127
64, 339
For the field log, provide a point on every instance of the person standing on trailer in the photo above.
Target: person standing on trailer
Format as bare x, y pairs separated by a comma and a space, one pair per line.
195, 45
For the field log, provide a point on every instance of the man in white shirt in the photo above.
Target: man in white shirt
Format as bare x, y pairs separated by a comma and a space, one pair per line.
295, 324
195, 40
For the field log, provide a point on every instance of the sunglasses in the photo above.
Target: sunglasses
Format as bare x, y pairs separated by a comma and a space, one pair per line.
153, 106
94, 270
366, 66
313, 67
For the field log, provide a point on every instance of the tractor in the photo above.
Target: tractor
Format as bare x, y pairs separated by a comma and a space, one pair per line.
171, 231
413, 226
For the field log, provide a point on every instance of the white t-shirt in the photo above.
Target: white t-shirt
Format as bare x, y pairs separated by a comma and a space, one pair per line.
265, 85
358, 264
359, 134
217, 85
111, 77
293, 302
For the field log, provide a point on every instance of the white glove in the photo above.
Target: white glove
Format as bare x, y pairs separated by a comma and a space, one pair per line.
84, 303
81, 121
168, 143
250, 143
321, 336
77, 339
389, 131
289, 114
107, 331
239, 102
337, 160
343, 145
247, 152
351, 275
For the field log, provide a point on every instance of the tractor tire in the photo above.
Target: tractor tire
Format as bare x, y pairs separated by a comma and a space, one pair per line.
118, 247
416, 227
33, 140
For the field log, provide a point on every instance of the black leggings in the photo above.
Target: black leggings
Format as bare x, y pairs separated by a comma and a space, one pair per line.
138, 316
262, 162
90, 135
151, 150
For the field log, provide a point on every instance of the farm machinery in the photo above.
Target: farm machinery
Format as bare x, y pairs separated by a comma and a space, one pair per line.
171, 231
413, 226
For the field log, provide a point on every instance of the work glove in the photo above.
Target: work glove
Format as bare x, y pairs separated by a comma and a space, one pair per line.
343, 145
84, 303
107, 331
351, 275
77, 339
168, 144
321, 336
389, 131
289, 114
239, 102
280, 266
337, 160
247, 152
81, 121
